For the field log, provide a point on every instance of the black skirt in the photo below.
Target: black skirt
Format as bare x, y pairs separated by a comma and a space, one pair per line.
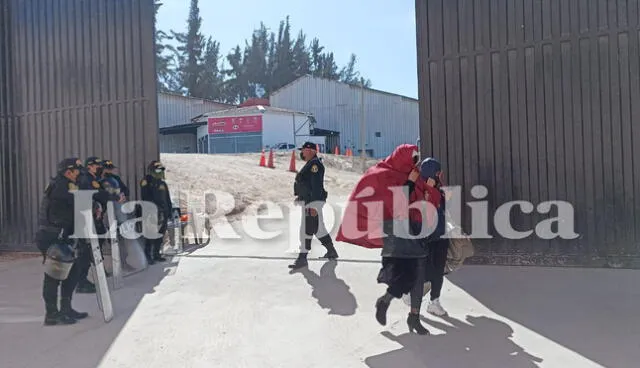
399, 274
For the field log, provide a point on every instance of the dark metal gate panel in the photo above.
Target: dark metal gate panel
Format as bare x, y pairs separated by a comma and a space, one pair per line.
81, 82
235, 143
535, 100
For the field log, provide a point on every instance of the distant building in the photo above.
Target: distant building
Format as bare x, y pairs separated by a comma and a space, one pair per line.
252, 128
389, 119
175, 114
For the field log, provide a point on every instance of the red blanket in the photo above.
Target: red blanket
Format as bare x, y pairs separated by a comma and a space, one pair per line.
372, 200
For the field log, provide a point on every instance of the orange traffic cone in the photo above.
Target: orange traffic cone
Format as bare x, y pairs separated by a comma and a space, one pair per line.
262, 159
348, 152
270, 164
336, 151
292, 163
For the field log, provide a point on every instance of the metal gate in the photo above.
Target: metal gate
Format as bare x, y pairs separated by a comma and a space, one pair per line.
536, 101
235, 143
76, 79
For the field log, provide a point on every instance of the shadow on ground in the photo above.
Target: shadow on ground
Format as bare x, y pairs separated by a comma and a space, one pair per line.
478, 342
593, 312
25, 342
331, 292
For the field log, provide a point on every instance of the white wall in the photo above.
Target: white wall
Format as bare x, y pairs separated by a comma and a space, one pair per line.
278, 127
203, 131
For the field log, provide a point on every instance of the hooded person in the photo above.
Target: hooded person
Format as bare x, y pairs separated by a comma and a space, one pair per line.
431, 173
382, 213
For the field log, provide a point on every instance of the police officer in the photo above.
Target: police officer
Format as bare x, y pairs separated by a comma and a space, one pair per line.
154, 189
309, 189
56, 225
110, 171
89, 179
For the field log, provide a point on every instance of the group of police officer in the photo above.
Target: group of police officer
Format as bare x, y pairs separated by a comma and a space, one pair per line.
68, 259
56, 222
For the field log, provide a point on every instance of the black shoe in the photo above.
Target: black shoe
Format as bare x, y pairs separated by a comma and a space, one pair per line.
381, 310
57, 318
413, 321
300, 262
65, 308
150, 260
86, 288
159, 258
75, 314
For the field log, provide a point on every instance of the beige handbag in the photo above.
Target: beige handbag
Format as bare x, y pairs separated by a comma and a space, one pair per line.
460, 247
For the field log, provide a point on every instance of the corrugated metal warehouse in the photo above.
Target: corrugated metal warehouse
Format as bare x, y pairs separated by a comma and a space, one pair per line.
389, 119
76, 79
536, 100
175, 113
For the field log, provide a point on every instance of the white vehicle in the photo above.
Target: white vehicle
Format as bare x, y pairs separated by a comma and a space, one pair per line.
284, 147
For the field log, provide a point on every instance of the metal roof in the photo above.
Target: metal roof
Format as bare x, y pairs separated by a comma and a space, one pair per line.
248, 110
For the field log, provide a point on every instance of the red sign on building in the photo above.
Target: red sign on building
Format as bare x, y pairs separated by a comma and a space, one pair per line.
238, 124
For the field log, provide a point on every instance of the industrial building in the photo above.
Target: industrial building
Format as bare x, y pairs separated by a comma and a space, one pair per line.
385, 120
253, 128
178, 134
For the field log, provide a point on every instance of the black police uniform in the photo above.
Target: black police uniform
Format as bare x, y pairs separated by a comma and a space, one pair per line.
309, 189
155, 190
108, 164
89, 181
56, 224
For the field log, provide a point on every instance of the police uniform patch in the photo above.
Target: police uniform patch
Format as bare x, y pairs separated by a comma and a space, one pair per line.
95, 184
72, 187
143, 183
314, 168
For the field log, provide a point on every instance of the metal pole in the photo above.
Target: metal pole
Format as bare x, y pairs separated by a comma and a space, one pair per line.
362, 135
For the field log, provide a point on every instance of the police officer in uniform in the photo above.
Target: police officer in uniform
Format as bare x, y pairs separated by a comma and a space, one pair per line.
55, 226
154, 189
109, 171
309, 189
90, 180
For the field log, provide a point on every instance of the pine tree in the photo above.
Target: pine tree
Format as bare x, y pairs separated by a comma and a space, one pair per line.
211, 81
190, 53
164, 62
301, 58
236, 87
350, 75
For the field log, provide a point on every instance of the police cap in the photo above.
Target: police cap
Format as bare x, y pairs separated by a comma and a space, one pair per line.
93, 160
108, 164
155, 165
308, 145
72, 163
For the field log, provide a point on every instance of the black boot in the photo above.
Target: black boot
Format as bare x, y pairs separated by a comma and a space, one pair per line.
382, 304
150, 260
65, 308
413, 321
159, 258
300, 262
53, 317
85, 287
331, 252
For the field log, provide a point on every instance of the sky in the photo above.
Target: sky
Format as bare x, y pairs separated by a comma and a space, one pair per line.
382, 36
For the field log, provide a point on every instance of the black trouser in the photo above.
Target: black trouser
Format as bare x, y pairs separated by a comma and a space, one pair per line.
435, 267
313, 225
152, 247
404, 275
84, 260
50, 289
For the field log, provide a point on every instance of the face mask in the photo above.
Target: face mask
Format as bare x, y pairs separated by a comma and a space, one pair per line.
301, 156
99, 171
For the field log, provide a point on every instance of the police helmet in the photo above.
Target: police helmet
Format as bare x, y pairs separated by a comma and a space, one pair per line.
71, 163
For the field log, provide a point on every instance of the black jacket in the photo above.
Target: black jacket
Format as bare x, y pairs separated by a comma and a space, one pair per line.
156, 191
309, 182
397, 242
57, 207
86, 181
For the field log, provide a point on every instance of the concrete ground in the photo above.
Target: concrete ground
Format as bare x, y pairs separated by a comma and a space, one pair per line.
234, 303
